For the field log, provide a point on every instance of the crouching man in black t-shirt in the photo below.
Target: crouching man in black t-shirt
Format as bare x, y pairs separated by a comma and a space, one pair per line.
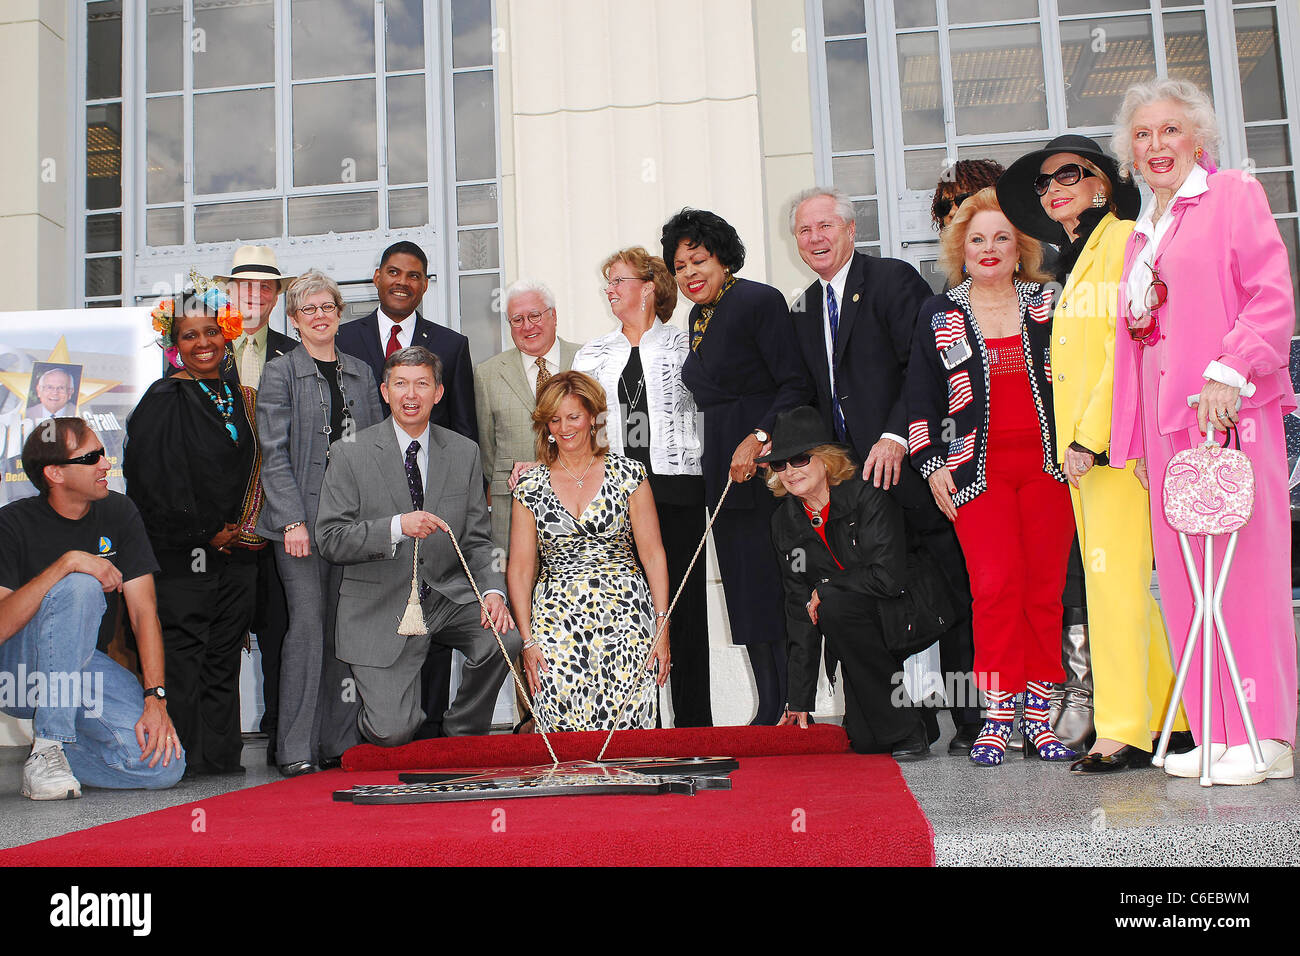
64, 558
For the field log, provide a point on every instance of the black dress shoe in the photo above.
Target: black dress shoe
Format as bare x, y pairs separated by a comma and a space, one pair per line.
1180, 742
330, 763
914, 746
964, 739
1126, 758
297, 768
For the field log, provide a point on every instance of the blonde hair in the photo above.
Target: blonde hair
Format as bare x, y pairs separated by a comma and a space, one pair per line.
839, 466
651, 269
588, 391
952, 241
1197, 107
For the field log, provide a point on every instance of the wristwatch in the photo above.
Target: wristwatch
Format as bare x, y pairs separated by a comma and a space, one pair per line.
159, 692
761, 435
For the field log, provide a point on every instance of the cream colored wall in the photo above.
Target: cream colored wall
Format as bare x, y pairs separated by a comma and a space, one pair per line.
614, 115
35, 164
33, 209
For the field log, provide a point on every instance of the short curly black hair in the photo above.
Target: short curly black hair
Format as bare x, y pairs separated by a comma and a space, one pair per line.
966, 176
699, 227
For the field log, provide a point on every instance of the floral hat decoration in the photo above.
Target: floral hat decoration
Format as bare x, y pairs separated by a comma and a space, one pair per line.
229, 318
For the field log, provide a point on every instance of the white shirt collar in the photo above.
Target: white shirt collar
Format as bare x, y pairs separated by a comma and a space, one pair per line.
407, 324
552, 360
404, 440
1197, 182
837, 282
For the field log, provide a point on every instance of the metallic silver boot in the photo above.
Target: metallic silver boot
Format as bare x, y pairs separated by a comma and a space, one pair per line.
1071, 708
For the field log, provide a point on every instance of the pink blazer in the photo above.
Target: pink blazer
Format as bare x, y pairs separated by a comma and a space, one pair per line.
1230, 299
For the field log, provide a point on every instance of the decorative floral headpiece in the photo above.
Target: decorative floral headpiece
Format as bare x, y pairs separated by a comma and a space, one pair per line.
229, 318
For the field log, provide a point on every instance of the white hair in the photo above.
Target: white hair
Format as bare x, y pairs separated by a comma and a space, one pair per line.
843, 205
524, 286
1196, 105
53, 371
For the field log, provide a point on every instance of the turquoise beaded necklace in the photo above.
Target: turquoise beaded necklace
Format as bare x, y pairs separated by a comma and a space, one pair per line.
225, 405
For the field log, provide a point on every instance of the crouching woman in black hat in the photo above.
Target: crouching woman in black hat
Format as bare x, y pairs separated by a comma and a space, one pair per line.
851, 577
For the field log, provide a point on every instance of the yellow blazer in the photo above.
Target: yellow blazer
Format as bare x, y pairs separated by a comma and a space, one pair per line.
1083, 339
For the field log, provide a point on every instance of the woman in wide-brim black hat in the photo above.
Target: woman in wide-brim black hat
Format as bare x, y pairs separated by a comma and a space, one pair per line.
845, 569
1070, 193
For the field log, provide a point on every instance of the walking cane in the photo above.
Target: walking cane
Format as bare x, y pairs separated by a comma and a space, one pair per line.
1209, 490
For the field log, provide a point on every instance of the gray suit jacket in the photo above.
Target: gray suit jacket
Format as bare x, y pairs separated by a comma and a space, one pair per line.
289, 428
365, 485
505, 404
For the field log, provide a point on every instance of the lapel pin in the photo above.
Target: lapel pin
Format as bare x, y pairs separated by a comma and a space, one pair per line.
856, 296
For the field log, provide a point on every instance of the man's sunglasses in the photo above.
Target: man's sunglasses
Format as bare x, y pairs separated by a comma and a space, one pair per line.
945, 206
796, 461
1066, 175
89, 458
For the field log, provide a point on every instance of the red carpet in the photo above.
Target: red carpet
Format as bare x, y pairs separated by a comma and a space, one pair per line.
822, 808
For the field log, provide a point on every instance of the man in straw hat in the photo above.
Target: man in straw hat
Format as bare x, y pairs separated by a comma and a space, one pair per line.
254, 284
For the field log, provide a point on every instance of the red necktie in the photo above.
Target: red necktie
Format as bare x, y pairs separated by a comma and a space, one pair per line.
393, 344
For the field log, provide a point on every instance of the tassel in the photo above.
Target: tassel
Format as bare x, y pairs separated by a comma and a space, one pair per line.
412, 623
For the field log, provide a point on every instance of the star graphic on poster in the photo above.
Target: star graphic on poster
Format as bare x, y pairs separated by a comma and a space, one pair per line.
20, 383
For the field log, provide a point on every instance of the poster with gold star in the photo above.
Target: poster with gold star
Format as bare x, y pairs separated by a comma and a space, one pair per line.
91, 363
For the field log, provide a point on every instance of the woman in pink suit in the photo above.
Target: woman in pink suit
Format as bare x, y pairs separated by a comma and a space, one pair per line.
1206, 298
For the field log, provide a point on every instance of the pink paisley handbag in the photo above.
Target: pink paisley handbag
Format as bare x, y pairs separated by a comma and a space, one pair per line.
1209, 489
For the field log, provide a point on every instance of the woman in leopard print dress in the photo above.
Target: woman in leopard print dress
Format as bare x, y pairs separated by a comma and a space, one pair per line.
592, 615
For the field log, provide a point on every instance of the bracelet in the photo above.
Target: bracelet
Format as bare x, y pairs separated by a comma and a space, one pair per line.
296, 524
531, 642
660, 615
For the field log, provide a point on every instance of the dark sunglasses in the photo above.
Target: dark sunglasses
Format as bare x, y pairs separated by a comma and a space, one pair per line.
1066, 175
89, 458
796, 461
944, 206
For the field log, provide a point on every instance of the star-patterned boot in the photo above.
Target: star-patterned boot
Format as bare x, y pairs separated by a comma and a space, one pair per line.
991, 744
1040, 740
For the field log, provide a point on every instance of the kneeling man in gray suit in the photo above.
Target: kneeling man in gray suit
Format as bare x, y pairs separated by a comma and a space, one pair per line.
399, 480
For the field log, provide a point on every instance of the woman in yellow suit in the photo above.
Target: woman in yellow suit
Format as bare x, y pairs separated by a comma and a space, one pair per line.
1070, 193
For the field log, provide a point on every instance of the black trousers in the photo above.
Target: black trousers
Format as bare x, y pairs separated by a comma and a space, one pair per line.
205, 608
957, 645
681, 528
270, 623
877, 711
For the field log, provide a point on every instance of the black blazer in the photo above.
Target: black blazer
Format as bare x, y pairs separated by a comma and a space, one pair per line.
872, 347
865, 531
745, 371
361, 338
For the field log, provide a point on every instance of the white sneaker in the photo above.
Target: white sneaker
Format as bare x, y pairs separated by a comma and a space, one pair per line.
1189, 764
47, 776
1236, 768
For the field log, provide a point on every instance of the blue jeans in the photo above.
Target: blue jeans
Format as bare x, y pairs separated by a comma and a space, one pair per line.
89, 702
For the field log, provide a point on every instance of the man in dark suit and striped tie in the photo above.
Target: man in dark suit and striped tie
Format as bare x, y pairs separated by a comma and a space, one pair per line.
854, 326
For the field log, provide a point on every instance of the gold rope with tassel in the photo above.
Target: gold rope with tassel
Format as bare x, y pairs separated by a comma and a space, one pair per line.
412, 622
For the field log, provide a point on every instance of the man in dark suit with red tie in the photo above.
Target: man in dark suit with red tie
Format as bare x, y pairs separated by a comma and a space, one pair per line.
854, 326
401, 280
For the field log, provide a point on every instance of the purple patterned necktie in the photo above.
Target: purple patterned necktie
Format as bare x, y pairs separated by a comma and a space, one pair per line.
415, 481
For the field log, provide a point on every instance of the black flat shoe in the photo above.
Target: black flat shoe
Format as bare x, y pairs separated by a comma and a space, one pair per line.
964, 739
297, 768
1126, 758
914, 746
330, 763
1180, 742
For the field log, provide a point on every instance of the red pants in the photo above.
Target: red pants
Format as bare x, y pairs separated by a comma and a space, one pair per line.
1016, 538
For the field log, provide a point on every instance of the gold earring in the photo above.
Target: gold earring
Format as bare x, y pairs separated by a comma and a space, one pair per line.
1099, 200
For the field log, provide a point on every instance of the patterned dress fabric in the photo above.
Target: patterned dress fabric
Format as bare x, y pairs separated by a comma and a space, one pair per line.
592, 612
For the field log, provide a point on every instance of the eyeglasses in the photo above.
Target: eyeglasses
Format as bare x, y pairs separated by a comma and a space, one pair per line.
1145, 329
532, 318
89, 458
944, 206
615, 283
794, 461
329, 308
1066, 175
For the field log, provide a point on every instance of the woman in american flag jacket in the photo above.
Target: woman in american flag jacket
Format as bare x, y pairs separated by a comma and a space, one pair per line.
981, 431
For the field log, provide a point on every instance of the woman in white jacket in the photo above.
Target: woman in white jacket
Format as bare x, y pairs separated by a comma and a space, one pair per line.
653, 419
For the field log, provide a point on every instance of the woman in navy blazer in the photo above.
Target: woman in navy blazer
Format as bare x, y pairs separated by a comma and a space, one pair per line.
309, 399
743, 369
